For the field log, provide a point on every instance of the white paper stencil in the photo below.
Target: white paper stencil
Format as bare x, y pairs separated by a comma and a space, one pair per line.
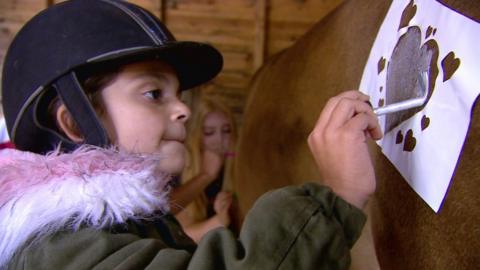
425, 143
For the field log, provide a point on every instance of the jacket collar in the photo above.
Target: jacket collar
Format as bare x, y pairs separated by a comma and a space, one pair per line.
40, 195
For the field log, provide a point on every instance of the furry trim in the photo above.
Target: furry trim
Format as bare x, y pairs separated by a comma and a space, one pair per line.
40, 195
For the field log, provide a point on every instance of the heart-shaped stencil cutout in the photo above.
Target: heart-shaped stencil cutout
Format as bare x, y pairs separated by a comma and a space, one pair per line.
399, 138
410, 141
381, 64
407, 14
450, 64
408, 59
425, 122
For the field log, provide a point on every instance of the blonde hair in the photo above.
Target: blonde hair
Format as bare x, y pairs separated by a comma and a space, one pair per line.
198, 208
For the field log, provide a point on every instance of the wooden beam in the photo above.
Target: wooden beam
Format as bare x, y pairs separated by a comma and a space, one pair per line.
161, 10
261, 18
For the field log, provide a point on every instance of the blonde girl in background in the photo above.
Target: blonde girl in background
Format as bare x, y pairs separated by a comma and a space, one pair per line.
210, 143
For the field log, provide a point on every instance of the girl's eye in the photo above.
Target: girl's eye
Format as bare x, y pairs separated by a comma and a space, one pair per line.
226, 130
208, 132
153, 94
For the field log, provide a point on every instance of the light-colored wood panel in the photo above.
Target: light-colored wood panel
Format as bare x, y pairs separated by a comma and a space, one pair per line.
16, 17
232, 15
147, 4
233, 79
157, 7
240, 8
20, 4
276, 46
259, 46
242, 59
211, 27
214, 40
306, 11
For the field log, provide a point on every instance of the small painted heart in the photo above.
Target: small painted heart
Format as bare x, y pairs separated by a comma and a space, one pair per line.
410, 141
450, 64
425, 122
399, 138
381, 64
381, 102
429, 31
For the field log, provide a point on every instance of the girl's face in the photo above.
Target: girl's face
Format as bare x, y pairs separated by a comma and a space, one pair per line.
216, 132
143, 113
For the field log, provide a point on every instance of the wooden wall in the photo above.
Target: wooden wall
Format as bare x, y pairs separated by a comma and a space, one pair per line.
245, 31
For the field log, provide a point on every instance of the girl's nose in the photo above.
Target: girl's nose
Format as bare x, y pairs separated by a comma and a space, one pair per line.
225, 140
181, 112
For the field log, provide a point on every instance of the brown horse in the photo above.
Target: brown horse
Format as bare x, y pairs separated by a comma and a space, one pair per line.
286, 97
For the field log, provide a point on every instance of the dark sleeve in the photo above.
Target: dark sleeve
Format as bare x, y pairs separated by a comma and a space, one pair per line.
290, 228
304, 227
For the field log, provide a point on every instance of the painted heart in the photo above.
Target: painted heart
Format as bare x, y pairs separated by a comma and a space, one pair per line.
425, 122
408, 59
429, 32
407, 14
410, 141
381, 64
381, 102
450, 64
399, 138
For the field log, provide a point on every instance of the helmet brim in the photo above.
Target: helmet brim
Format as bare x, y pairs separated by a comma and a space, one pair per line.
195, 63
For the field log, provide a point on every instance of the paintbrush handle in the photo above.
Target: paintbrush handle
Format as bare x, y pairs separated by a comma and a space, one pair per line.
400, 106
409, 103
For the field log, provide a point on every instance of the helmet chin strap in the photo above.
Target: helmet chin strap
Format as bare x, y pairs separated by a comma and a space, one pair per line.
72, 95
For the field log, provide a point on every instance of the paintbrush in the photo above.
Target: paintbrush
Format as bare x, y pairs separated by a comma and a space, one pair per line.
409, 103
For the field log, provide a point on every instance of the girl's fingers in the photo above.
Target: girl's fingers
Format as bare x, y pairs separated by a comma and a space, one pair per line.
332, 103
365, 122
346, 109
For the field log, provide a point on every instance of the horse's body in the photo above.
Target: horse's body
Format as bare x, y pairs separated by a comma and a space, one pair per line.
286, 97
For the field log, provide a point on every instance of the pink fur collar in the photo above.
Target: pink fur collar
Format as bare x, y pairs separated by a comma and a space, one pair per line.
40, 195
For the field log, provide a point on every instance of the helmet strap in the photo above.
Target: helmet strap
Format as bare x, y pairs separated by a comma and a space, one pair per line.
77, 103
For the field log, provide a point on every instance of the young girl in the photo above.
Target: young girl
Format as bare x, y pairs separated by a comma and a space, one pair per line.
96, 84
212, 131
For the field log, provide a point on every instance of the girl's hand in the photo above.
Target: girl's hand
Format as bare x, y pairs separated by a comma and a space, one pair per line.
221, 205
211, 163
338, 143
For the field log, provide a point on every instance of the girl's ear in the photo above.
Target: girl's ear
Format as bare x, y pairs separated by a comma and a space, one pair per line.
68, 125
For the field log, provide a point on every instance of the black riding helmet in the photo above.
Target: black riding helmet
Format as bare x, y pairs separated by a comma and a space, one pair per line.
52, 47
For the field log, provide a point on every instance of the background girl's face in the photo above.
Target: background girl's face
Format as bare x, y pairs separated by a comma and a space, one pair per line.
216, 131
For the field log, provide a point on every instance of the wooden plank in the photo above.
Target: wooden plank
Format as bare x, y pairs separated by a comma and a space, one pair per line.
306, 11
260, 33
214, 40
237, 61
211, 27
276, 46
16, 17
161, 10
154, 6
240, 48
233, 79
248, 16
232, 8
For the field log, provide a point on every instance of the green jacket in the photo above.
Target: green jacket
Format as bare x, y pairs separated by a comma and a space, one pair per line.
306, 227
